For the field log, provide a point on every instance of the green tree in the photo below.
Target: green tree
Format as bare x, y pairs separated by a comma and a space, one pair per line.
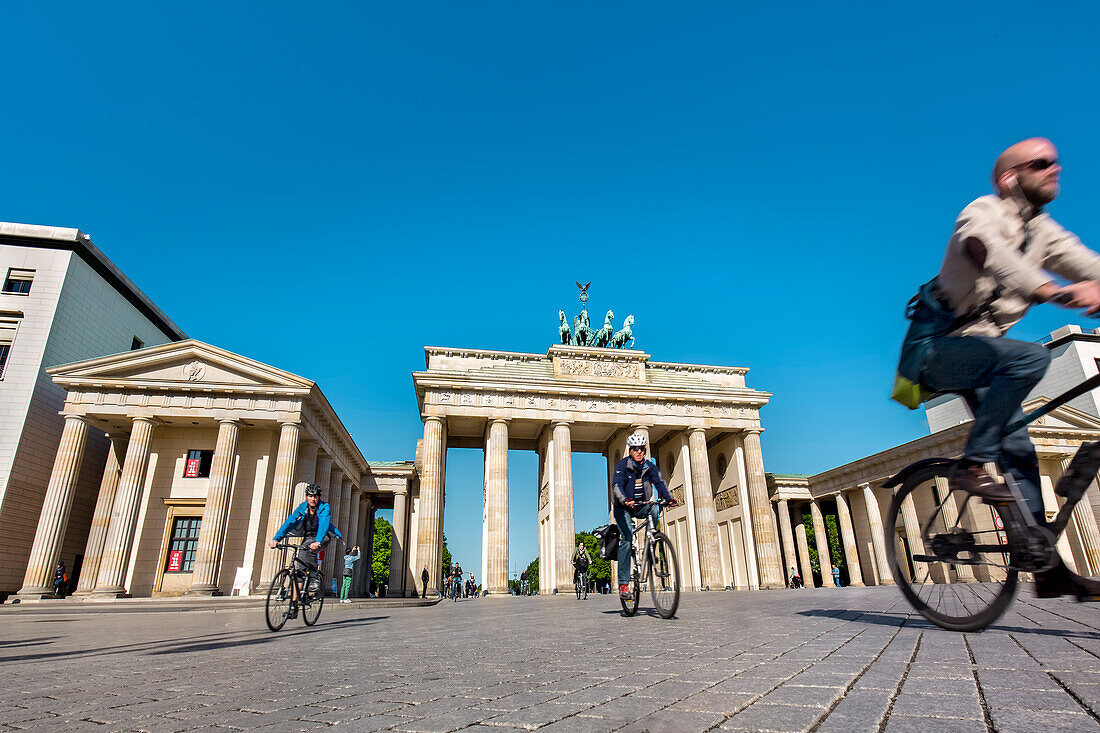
380, 563
447, 559
533, 574
833, 537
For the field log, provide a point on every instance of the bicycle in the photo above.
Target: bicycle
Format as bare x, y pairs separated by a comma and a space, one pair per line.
965, 565
661, 570
291, 587
455, 589
582, 584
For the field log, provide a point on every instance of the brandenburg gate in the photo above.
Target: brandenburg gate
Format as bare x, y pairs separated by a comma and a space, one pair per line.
704, 431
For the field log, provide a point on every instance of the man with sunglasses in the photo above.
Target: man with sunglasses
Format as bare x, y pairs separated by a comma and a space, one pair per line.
995, 268
636, 478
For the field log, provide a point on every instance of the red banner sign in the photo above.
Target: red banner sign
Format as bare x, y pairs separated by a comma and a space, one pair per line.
175, 561
192, 470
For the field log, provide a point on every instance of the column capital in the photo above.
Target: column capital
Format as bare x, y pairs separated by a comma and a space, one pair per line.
864, 485
230, 421
641, 425
752, 431
402, 491
503, 420
696, 429
560, 423
147, 419
74, 416
435, 418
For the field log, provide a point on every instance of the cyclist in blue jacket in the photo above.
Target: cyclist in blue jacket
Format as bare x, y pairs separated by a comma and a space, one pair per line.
635, 479
312, 521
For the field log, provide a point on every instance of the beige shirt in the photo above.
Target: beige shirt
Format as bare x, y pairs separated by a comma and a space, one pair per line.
1000, 225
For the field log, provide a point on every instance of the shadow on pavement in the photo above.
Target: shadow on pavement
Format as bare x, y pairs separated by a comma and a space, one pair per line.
916, 621
194, 644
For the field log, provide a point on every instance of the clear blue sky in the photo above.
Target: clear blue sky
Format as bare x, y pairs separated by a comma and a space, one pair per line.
329, 187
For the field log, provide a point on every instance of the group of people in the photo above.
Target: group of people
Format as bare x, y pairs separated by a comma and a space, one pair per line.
453, 582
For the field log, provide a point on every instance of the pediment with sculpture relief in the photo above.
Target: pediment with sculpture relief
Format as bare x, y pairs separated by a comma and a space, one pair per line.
184, 365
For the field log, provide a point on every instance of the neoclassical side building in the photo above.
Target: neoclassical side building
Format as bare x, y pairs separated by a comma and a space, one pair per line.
704, 428
206, 450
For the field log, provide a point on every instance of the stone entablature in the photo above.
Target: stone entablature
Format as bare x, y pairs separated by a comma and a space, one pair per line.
583, 383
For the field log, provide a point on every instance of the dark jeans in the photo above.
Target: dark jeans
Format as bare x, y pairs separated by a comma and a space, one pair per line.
626, 534
1001, 372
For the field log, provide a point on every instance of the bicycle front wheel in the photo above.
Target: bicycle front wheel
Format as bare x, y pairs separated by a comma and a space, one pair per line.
631, 607
312, 610
956, 571
664, 576
278, 600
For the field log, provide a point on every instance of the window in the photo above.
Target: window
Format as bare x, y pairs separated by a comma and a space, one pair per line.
670, 464
198, 464
723, 464
182, 546
7, 338
136, 344
18, 282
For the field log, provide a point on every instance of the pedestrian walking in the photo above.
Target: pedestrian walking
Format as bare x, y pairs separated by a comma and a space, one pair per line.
424, 577
351, 557
836, 576
60, 579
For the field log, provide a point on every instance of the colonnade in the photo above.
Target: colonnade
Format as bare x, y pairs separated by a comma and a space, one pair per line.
557, 527
109, 552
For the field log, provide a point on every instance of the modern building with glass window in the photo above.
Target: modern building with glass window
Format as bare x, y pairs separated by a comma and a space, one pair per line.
62, 301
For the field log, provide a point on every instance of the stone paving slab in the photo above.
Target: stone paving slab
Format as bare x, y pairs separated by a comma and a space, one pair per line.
811, 660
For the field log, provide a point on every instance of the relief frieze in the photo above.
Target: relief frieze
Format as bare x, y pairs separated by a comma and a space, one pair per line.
544, 496
569, 367
726, 499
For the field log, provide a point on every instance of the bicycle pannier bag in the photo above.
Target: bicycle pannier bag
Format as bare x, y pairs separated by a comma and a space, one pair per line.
608, 537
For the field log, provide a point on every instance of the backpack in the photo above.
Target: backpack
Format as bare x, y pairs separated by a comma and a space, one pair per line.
929, 318
608, 538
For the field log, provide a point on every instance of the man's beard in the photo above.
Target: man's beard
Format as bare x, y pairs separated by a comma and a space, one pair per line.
1038, 195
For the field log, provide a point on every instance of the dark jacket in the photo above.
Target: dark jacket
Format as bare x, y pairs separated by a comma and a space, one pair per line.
627, 472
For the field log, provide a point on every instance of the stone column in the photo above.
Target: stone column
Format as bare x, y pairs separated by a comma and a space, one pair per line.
307, 471
208, 555
950, 509
108, 487
874, 518
429, 537
706, 519
337, 516
804, 554
398, 573
282, 492
1085, 520
916, 544
821, 539
120, 531
496, 506
352, 536
368, 552
564, 533
763, 523
366, 544
848, 539
56, 505
788, 536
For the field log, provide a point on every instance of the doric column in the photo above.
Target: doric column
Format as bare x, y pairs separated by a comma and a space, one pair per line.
821, 539
308, 453
337, 516
848, 539
944, 495
787, 534
108, 487
763, 523
398, 572
366, 544
52, 521
706, 519
874, 518
282, 493
429, 537
1085, 521
351, 539
804, 554
916, 544
323, 478
120, 531
368, 550
208, 556
564, 532
496, 508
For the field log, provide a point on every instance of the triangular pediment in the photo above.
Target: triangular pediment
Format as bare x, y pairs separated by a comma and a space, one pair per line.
186, 364
1063, 417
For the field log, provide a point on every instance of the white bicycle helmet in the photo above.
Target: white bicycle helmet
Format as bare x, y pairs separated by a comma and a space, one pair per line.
637, 440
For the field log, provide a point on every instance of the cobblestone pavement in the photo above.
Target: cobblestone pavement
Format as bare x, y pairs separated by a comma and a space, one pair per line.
825, 660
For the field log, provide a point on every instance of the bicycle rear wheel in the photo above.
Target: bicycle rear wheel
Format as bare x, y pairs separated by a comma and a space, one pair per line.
664, 576
631, 607
959, 576
278, 600
314, 603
